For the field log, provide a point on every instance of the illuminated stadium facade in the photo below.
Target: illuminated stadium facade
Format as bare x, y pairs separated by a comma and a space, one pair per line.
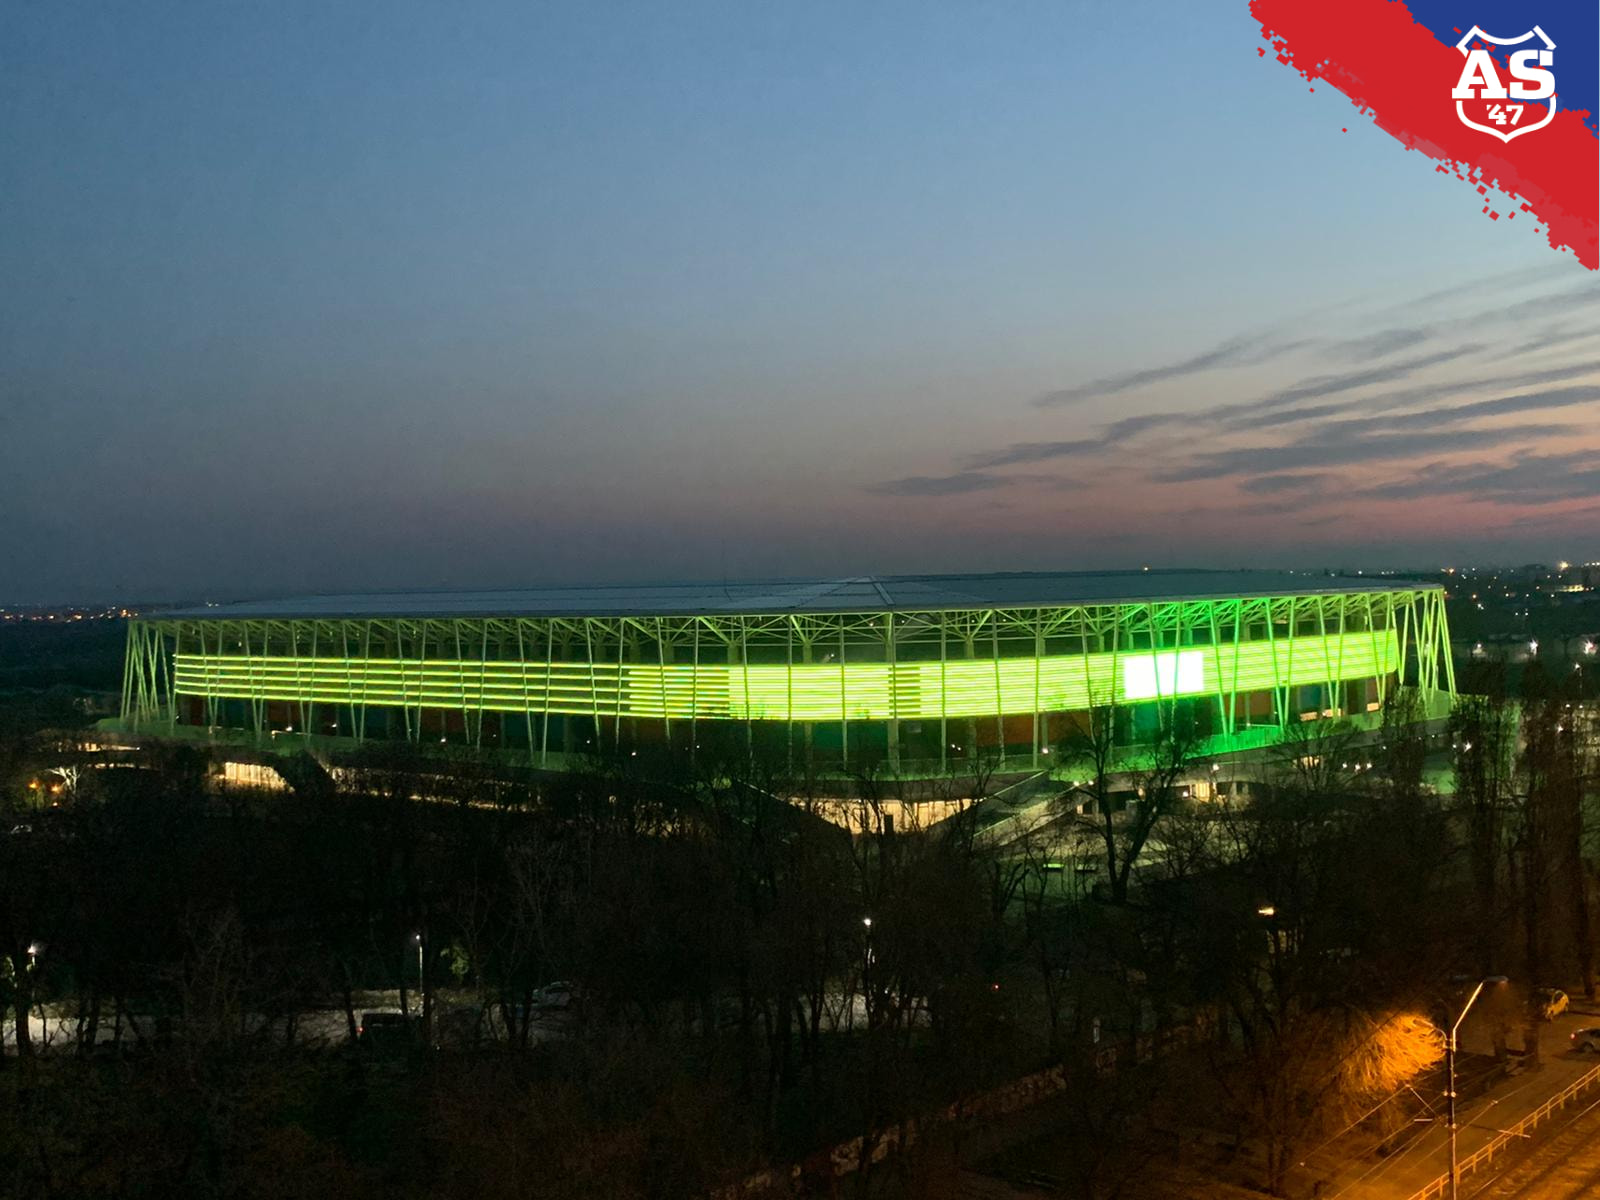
911, 671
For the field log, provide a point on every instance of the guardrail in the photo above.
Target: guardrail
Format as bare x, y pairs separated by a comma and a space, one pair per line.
1482, 1156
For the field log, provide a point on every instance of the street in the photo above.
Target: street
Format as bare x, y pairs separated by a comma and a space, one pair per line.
1481, 1119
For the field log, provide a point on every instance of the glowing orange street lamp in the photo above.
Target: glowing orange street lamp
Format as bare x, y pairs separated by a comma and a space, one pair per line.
1450, 1070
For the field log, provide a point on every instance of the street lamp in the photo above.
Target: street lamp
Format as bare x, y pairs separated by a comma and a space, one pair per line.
1450, 1070
866, 969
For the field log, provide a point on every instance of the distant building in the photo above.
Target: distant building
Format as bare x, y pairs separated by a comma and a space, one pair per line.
912, 671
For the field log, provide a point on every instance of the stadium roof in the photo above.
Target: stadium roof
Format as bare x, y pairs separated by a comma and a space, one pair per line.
866, 593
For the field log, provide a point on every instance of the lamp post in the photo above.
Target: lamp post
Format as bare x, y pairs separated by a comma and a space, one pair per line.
1450, 1071
866, 970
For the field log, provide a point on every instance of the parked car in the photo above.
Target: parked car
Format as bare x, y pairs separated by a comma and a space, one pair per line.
1586, 1041
389, 1030
555, 996
1548, 1003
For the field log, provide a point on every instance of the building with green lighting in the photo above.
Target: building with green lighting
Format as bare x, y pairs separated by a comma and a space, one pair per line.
912, 671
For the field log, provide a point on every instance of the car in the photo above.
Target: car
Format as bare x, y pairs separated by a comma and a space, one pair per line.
389, 1030
1586, 1041
1548, 1003
555, 996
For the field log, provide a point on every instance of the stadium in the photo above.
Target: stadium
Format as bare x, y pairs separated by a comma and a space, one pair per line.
915, 673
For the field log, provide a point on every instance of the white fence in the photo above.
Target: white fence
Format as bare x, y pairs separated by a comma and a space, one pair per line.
1481, 1157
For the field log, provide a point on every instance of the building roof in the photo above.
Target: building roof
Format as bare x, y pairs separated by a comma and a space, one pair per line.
866, 593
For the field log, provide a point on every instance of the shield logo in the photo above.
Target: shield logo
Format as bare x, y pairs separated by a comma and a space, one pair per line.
1507, 86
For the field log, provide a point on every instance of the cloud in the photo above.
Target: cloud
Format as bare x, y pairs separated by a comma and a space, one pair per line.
1276, 408
1286, 406
1456, 414
1292, 416
1320, 386
1554, 337
1253, 349
1505, 281
1549, 519
1250, 416
1264, 413
1551, 304
1527, 479
1416, 390
1033, 452
941, 485
1379, 345
1314, 451
1126, 428
1236, 351
1548, 375
1268, 485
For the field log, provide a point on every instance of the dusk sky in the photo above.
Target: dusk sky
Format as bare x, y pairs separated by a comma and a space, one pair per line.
300, 297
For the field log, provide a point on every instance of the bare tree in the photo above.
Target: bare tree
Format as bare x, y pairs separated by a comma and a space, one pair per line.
1154, 778
1483, 733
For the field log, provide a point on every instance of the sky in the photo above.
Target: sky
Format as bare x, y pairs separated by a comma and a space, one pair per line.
305, 297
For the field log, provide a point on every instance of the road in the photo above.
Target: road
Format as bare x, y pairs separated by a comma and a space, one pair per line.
1507, 1103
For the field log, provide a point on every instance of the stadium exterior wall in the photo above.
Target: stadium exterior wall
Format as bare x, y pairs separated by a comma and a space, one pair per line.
902, 684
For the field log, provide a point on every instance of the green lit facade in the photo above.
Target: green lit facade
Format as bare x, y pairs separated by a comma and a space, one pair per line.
913, 686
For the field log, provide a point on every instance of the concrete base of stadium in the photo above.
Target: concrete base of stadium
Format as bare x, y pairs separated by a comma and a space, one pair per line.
877, 796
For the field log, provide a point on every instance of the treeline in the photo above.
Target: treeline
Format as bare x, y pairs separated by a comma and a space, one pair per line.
731, 1005
749, 984
81, 654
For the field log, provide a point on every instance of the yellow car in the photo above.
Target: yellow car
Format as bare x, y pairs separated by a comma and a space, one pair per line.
1548, 1003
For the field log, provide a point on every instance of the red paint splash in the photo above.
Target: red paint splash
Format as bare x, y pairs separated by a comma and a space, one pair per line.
1395, 69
